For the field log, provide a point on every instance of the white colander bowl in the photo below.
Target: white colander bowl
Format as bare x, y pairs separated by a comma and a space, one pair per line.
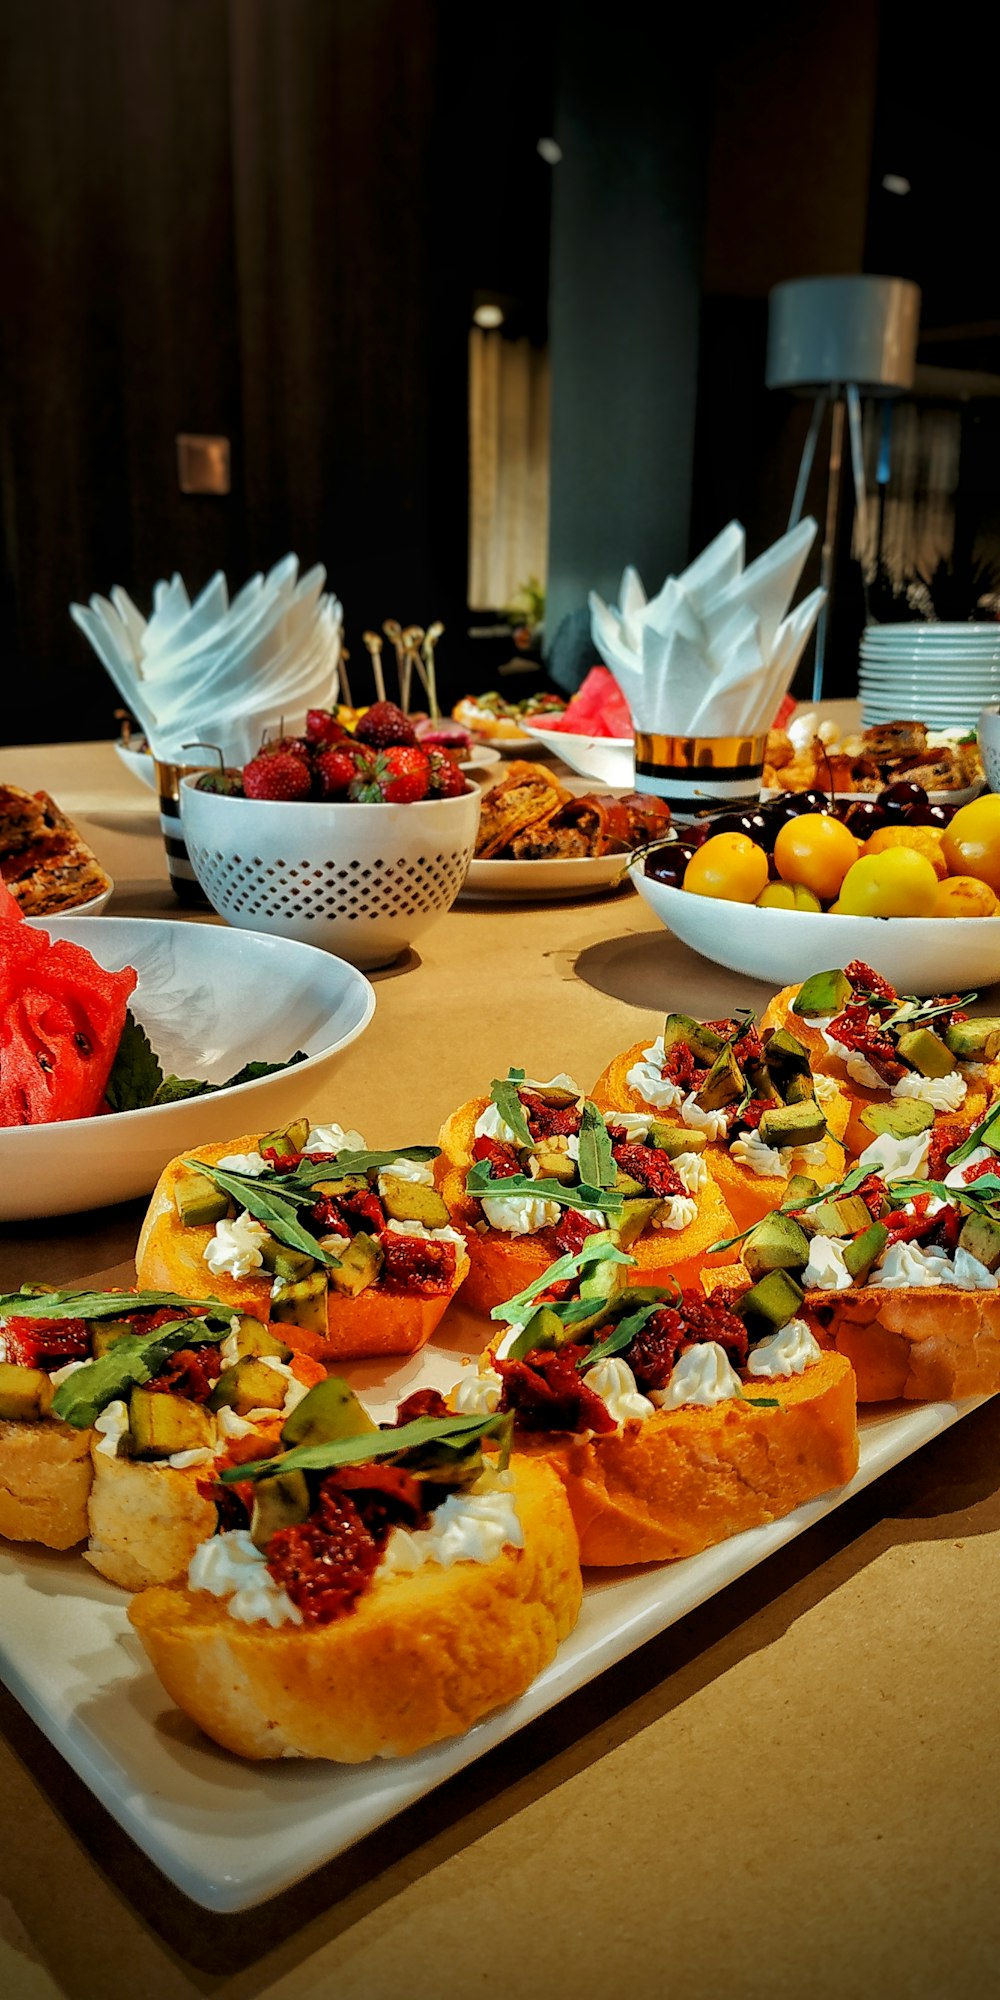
362, 881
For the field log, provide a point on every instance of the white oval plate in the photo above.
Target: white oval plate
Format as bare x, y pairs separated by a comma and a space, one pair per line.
540, 881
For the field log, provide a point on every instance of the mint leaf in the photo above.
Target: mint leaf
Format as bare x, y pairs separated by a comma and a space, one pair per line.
174, 1088
135, 1073
252, 1070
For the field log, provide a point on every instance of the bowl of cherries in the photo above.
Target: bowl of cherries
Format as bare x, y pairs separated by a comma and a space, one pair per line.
756, 890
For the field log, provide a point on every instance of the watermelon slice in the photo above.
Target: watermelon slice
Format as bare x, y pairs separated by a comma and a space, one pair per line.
598, 708
61, 1020
10, 909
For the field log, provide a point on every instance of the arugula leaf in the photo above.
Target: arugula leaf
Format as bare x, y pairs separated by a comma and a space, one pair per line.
977, 1137
361, 1449
135, 1073
263, 1201
309, 1171
832, 1193
597, 1249
67, 1304
981, 1194
503, 1093
480, 1181
134, 1359
761, 1402
595, 1162
622, 1335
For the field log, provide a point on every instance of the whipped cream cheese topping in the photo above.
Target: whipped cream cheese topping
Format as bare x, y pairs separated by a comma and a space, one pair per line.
790, 1351
714, 1124
60, 1375
234, 1250
897, 1159
112, 1425
702, 1375
955, 1177
635, 1124
677, 1211
825, 1088
468, 1527
519, 1214
490, 1125
446, 1234
334, 1139
692, 1170
908, 1264
420, 1172
826, 1270
769, 1162
858, 1068
646, 1080
244, 1163
972, 1276
229, 1566
478, 1394
945, 1093
612, 1379
197, 1454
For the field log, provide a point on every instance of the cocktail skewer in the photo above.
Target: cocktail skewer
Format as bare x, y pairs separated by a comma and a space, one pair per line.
373, 641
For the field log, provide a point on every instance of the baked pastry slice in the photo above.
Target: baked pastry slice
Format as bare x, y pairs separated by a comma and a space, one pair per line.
44, 861
526, 798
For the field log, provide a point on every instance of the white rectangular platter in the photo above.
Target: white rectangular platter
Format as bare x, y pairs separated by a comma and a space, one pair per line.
229, 1834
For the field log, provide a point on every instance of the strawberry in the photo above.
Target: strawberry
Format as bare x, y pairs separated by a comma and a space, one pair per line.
296, 745
335, 770
397, 776
278, 775
385, 725
322, 728
447, 781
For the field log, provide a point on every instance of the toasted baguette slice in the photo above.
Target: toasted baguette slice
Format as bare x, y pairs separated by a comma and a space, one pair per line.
171, 1257
688, 1478
501, 1265
45, 1480
421, 1657
748, 1196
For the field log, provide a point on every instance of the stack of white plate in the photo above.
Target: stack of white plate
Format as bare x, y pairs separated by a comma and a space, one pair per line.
939, 674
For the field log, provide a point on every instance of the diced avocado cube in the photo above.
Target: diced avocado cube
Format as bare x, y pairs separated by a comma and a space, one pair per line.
632, 1218
546, 1329
250, 1385
627, 1185
254, 1338
723, 1085
554, 1094
330, 1410
106, 1332
358, 1268
980, 1236
198, 1202
160, 1424
25, 1393
785, 1053
348, 1184
408, 1201
302, 1302
926, 1053
799, 1090
824, 993
793, 1125
285, 1262
862, 1252
703, 1041
769, 1304
548, 1167
974, 1041
840, 1215
776, 1244
675, 1139
801, 1188
289, 1141
904, 1118
280, 1502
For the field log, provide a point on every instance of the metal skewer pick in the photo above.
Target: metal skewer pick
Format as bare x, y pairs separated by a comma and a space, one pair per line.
373, 641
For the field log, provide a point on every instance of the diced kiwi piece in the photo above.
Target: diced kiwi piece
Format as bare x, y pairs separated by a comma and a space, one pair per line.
675, 1139
198, 1202
627, 1185
974, 1041
839, 1215
861, 1253
980, 1236
285, 1262
904, 1118
824, 993
106, 1332
408, 1201
723, 1084
358, 1268
160, 1424
25, 1393
303, 1301
250, 1385
926, 1053
801, 1188
783, 1051
289, 1140
281, 1502
799, 1090
348, 1184
254, 1338
331, 1410
777, 1244
632, 1218
703, 1041
793, 1124
769, 1304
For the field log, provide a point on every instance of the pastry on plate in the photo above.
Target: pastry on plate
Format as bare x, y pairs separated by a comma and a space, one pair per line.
369, 1591
669, 1430
44, 861
496, 720
345, 1250
532, 1170
525, 800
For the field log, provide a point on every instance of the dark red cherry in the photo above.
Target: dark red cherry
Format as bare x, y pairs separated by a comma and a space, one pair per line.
929, 815
667, 864
864, 818
735, 822
894, 799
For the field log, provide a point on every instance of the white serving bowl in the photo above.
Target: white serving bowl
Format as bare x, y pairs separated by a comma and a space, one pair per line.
138, 759
363, 881
609, 760
921, 955
210, 1000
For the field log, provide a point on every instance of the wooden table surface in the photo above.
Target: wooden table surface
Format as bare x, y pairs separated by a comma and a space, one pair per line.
793, 1792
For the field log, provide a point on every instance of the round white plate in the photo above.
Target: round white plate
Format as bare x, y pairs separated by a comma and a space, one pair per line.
540, 881
485, 755
609, 760
210, 1000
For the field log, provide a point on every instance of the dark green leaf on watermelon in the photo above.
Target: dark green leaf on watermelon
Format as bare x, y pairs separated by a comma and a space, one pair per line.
136, 1074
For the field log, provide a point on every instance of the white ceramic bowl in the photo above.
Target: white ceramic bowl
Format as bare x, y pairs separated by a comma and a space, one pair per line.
609, 760
138, 760
363, 881
210, 1000
917, 954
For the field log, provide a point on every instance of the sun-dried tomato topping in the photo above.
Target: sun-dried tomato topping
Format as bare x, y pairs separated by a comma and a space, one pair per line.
386, 1496
422, 1403
346, 1213
192, 1372
749, 1048
571, 1231
853, 1029
864, 980
284, 1163
37, 1343
416, 1264
325, 1562
672, 1329
957, 1014
679, 1067
874, 1193
549, 1121
502, 1159
547, 1392
234, 1503
748, 1118
908, 1228
981, 1167
945, 1139
651, 1167
945, 1229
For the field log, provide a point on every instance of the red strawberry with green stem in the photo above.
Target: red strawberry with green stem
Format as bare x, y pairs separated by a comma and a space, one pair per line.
336, 769
384, 725
397, 776
279, 775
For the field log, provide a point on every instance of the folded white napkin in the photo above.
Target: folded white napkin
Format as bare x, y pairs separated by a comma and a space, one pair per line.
714, 651
220, 673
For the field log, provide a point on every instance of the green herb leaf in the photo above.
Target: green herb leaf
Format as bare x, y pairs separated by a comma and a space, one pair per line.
503, 1093
480, 1181
252, 1070
68, 1304
262, 1200
369, 1445
761, 1402
135, 1073
595, 1162
357, 1163
174, 1089
134, 1359
979, 1136
598, 1249
832, 1193
622, 1335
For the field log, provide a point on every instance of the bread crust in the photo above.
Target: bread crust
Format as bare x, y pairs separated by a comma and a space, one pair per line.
688, 1478
145, 1521
170, 1256
748, 1196
45, 1481
420, 1658
501, 1265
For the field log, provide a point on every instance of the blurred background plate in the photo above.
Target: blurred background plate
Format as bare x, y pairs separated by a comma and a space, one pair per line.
537, 881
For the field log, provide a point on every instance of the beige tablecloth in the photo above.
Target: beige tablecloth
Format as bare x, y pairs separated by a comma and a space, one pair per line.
794, 1792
